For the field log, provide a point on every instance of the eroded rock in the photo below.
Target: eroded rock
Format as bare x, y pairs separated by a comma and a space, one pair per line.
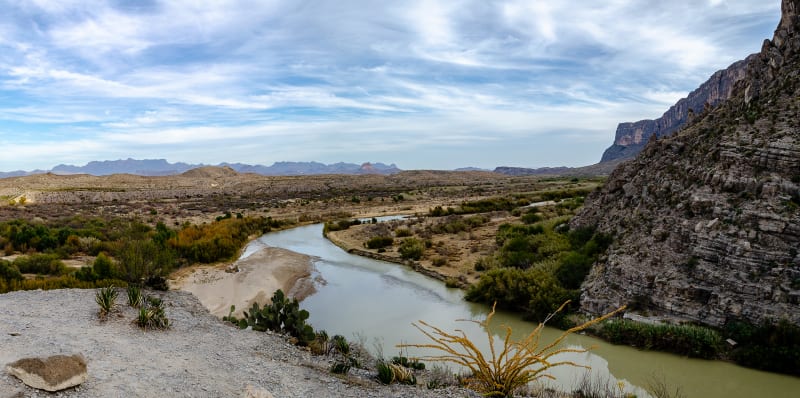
54, 373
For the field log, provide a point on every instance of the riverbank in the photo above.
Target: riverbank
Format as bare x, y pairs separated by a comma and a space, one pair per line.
252, 279
453, 273
198, 356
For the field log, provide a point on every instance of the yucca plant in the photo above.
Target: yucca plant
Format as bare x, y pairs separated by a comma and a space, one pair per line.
515, 365
152, 315
135, 298
106, 298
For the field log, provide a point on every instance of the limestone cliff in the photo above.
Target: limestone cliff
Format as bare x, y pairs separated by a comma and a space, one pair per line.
630, 137
707, 220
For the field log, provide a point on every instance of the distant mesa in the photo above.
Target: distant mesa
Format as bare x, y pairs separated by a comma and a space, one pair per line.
631, 138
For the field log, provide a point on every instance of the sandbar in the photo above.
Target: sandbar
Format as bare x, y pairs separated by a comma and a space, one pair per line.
259, 276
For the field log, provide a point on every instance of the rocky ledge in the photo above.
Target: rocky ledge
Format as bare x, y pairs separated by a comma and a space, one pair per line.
199, 356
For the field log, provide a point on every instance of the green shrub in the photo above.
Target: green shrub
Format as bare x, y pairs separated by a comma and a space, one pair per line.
86, 274
411, 249
769, 346
690, 340
8, 271
535, 292
37, 263
573, 269
531, 218
103, 267
379, 242
402, 232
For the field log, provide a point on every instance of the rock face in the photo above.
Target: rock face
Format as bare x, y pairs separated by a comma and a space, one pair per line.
631, 138
55, 373
707, 221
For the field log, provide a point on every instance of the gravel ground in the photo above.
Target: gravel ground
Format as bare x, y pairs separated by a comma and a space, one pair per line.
199, 356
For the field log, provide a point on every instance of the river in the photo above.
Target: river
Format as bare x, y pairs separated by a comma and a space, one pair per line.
379, 301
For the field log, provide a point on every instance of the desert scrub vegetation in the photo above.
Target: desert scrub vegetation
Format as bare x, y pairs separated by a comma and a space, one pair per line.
537, 267
411, 249
127, 250
511, 365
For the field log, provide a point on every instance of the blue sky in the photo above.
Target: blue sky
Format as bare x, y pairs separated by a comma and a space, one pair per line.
423, 84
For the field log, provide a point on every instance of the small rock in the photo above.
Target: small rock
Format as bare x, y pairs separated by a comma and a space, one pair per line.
54, 373
253, 392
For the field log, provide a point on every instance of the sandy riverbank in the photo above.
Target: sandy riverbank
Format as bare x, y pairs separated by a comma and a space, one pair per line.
260, 275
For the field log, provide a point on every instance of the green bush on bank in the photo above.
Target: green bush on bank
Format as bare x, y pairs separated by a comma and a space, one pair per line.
693, 341
379, 242
411, 249
770, 346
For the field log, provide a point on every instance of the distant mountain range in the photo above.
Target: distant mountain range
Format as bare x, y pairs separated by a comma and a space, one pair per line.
161, 167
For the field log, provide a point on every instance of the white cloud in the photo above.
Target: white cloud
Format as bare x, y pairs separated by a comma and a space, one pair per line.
383, 76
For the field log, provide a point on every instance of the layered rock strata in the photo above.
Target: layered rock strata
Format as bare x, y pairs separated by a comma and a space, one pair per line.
707, 221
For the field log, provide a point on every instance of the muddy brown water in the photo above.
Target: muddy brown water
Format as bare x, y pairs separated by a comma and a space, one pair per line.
377, 302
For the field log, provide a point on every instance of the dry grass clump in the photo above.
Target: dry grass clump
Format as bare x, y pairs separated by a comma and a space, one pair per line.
515, 365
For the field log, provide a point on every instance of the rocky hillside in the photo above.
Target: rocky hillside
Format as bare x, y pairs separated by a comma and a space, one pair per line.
631, 138
707, 221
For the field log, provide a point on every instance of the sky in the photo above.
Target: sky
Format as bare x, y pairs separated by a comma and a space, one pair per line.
421, 83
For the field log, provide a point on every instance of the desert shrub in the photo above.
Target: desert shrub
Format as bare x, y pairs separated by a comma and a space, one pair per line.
501, 373
8, 271
86, 274
106, 298
61, 282
402, 232
38, 263
339, 225
141, 259
573, 270
535, 292
509, 231
531, 218
439, 261
219, 240
563, 194
438, 211
411, 249
103, 266
379, 242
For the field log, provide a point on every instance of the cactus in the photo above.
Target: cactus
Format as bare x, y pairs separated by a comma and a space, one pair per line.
283, 316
